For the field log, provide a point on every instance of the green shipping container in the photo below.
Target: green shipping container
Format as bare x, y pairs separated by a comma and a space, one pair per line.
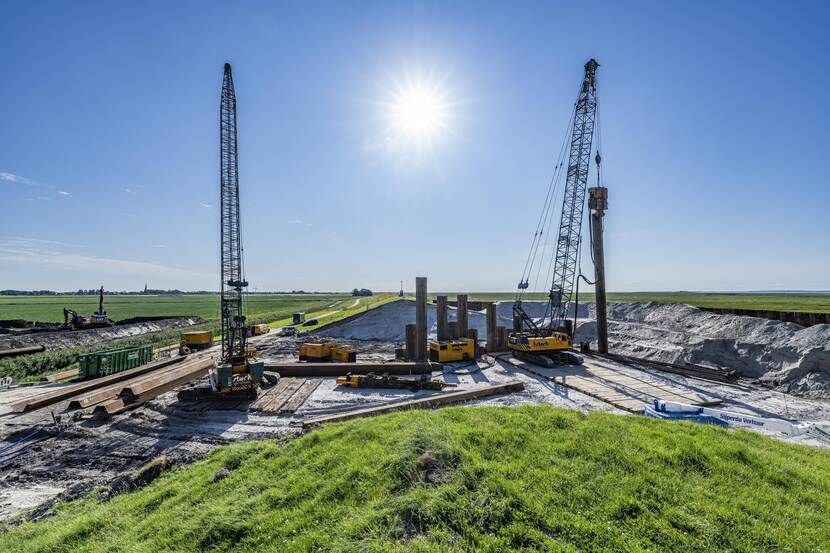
102, 363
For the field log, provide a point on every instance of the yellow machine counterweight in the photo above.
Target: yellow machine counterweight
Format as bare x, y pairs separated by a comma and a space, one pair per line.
447, 351
327, 351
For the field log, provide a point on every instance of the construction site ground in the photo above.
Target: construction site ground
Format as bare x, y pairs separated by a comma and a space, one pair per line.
75, 452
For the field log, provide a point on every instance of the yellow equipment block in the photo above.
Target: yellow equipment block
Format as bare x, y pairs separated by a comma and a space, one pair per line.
539, 344
258, 330
351, 380
197, 340
343, 354
317, 351
452, 350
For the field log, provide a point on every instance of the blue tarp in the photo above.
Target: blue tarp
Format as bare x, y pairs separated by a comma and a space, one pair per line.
650, 411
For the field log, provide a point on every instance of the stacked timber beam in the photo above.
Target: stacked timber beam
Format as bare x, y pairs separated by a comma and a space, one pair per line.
136, 392
49, 398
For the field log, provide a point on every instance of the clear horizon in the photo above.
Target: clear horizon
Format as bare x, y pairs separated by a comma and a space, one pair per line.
379, 142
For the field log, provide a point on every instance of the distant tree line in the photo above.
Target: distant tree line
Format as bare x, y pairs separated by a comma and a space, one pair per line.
361, 292
154, 292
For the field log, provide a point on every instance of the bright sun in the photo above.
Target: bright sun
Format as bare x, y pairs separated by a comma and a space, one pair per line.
420, 112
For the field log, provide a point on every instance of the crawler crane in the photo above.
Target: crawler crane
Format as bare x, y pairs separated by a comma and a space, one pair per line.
239, 370
549, 341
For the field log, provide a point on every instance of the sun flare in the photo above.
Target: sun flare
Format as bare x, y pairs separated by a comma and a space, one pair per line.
420, 112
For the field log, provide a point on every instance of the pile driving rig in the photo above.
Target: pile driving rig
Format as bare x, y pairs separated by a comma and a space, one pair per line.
239, 370
550, 340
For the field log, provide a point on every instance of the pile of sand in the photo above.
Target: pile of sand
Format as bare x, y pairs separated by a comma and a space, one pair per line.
782, 354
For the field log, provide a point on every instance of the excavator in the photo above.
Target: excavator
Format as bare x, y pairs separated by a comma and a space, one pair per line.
548, 341
97, 320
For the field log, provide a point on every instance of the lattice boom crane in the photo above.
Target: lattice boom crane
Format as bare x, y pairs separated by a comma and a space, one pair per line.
552, 338
239, 369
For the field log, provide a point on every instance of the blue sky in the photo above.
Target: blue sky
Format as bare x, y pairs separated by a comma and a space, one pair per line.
714, 126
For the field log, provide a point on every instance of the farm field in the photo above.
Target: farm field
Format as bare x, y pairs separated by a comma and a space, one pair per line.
50, 308
816, 303
530, 478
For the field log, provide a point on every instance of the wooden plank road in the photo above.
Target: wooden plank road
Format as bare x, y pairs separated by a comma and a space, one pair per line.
621, 390
287, 396
299, 398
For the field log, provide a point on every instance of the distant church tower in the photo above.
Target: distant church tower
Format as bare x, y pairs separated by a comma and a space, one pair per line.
145, 287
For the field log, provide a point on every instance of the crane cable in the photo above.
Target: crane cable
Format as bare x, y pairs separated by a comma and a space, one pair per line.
546, 216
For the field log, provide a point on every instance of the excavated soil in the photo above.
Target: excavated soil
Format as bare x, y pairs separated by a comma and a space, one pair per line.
78, 338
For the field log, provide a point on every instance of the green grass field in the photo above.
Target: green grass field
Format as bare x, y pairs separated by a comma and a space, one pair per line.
333, 308
816, 303
498, 479
50, 308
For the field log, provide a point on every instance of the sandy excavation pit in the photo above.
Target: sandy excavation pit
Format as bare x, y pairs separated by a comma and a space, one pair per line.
78, 453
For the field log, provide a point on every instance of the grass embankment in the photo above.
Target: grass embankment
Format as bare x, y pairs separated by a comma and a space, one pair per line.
32, 367
531, 478
50, 308
811, 303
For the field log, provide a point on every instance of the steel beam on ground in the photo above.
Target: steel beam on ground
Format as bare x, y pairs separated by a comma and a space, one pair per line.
14, 352
63, 375
49, 398
185, 373
124, 402
436, 400
341, 369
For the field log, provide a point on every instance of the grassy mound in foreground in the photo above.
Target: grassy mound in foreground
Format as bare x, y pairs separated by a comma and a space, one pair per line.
530, 478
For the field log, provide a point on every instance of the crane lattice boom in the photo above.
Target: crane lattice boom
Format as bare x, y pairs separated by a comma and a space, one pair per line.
233, 281
570, 225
